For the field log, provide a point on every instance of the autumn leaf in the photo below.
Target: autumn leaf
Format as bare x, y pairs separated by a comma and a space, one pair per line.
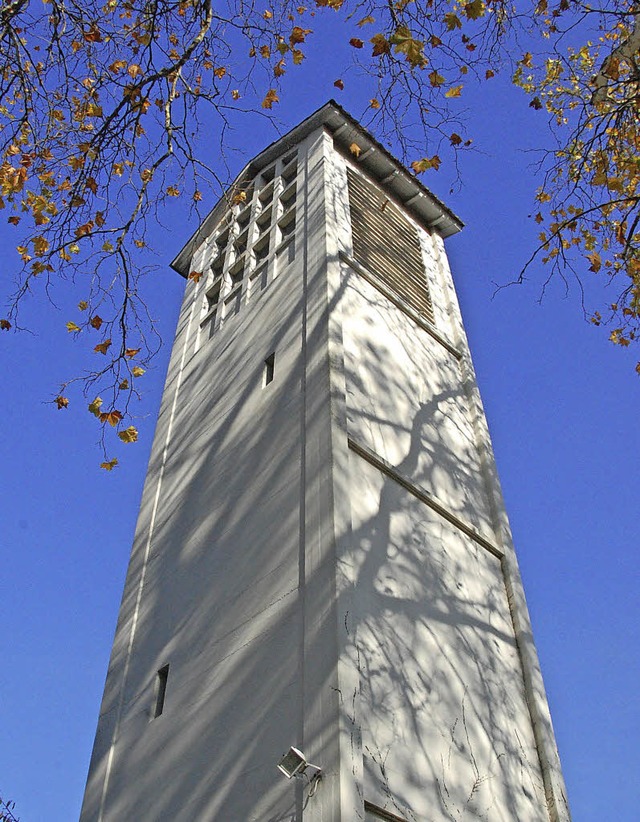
489, 74
365, 21
454, 91
13, 220
196, 276
535, 104
137, 371
5, 325
173, 191
267, 15
452, 21
112, 417
109, 466
131, 352
374, 103
475, 9
94, 407
61, 402
220, 72
124, 385
270, 98
279, 68
355, 149
404, 43
95, 322
419, 166
339, 84
129, 434
298, 35
436, 79
102, 347
455, 139
596, 262
356, 42
71, 326
380, 45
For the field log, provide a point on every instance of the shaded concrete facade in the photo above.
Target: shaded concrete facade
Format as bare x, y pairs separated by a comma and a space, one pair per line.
322, 557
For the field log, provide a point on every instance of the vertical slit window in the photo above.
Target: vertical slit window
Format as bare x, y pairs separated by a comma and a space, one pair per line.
269, 368
161, 690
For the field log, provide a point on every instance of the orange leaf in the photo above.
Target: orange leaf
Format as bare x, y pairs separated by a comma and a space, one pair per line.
270, 98
131, 352
113, 417
109, 466
196, 276
102, 347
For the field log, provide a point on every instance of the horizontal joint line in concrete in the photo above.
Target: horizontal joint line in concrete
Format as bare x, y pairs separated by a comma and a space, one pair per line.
397, 300
423, 495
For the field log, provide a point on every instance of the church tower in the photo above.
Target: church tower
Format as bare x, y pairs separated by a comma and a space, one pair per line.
322, 560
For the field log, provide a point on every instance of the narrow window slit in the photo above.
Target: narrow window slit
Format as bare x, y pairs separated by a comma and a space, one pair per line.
269, 368
161, 690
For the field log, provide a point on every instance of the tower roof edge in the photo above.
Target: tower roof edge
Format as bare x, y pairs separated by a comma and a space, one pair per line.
374, 158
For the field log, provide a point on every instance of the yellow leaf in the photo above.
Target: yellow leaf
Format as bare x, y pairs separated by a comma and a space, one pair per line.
220, 72
109, 466
137, 371
454, 91
355, 149
265, 52
173, 191
235, 94
71, 326
129, 434
267, 15
94, 407
436, 79
40, 246
366, 20
83, 305
426, 163
374, 103
133, 71
404, 43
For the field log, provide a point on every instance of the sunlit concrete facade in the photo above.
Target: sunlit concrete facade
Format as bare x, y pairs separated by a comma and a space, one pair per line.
322, 558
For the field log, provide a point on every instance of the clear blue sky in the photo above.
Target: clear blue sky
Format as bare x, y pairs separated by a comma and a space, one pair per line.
562, 405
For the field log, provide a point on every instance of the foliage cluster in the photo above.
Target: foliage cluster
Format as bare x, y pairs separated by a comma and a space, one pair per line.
102, 103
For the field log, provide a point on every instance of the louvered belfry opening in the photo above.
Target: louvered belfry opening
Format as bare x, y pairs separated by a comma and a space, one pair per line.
386, 243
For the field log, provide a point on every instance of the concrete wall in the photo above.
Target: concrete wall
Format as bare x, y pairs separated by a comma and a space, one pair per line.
323, 561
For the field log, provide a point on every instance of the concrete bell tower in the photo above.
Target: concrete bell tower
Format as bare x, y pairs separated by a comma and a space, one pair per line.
322, 558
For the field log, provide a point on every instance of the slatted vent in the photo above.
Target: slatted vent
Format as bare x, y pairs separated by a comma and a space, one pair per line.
386, 243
